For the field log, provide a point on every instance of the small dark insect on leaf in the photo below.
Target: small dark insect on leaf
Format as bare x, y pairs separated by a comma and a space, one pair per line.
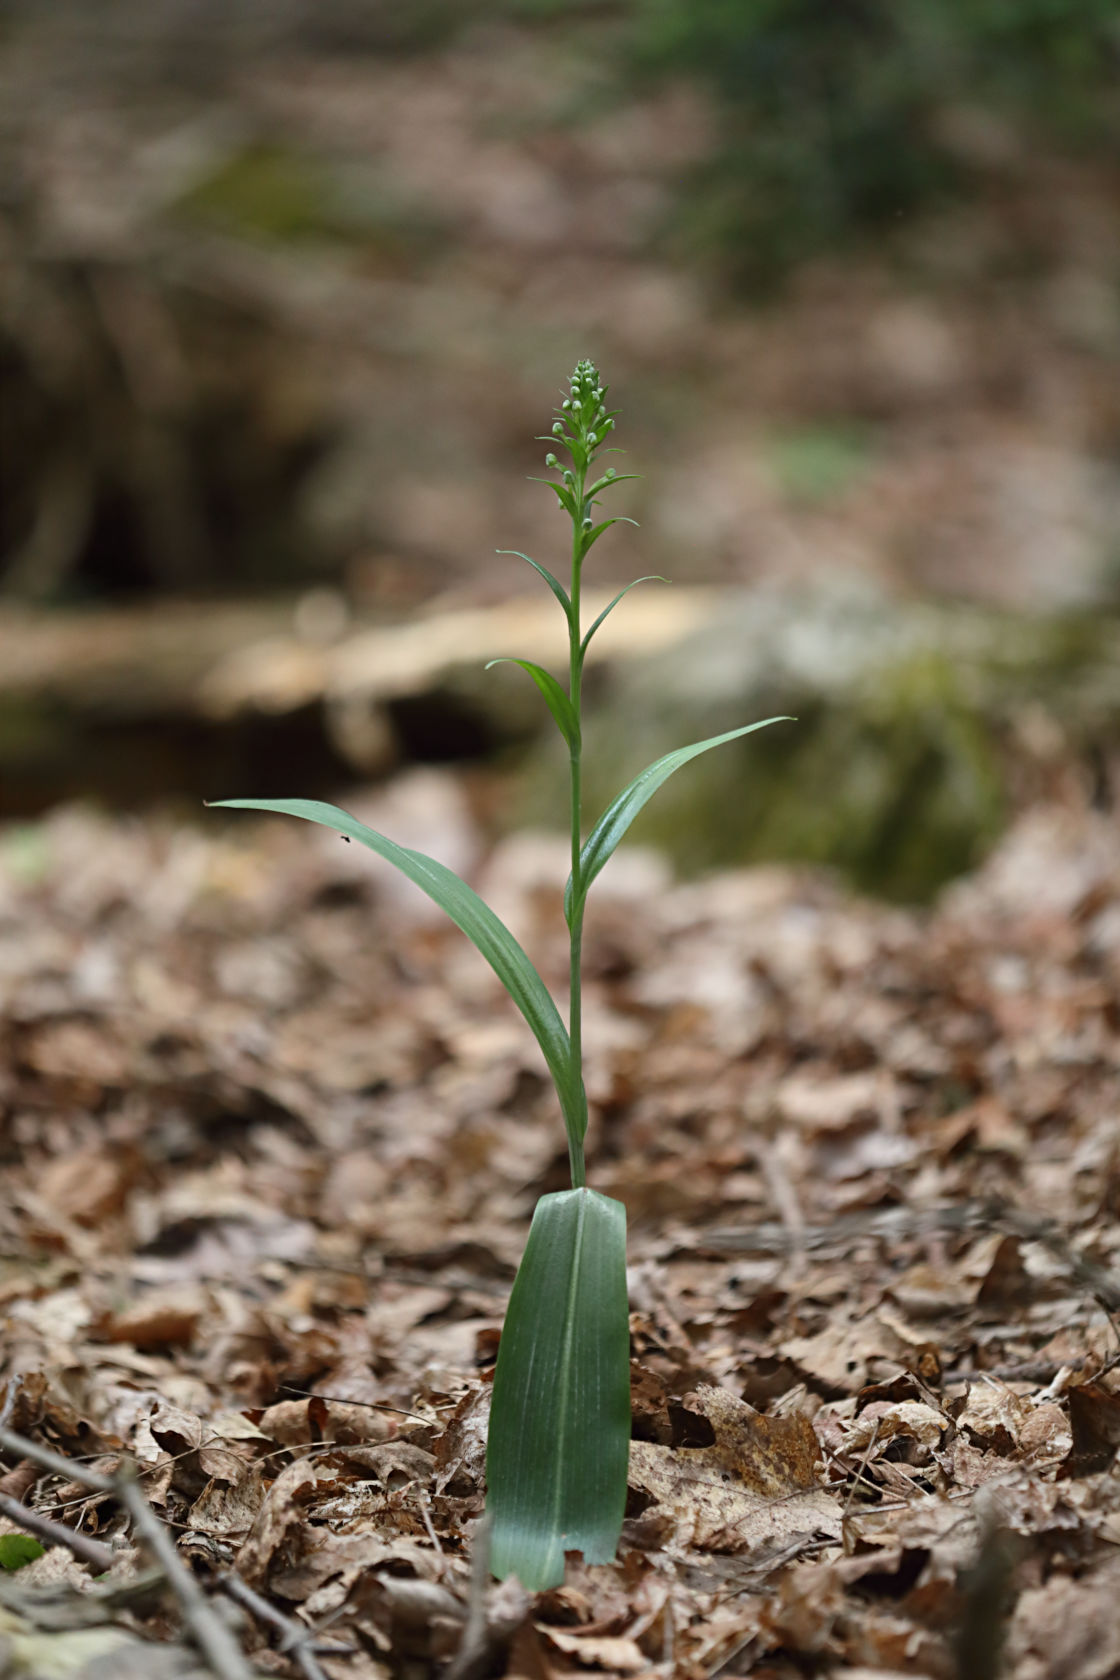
345, 838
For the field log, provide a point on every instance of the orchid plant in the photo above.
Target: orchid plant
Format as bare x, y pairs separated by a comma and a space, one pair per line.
559, 1431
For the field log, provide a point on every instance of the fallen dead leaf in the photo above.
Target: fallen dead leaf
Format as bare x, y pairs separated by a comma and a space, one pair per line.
757, 1482
280, 1514
1094, 1415
1067, 1627
611, 1652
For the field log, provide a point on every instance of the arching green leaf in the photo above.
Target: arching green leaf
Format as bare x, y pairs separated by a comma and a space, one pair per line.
651, 578
555, 698
554, 583
620, 813
596, 532
563, 495
606, 481
482, 927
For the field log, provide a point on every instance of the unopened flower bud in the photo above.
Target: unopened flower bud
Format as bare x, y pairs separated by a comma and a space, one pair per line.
550, 460
557, 429
611, 473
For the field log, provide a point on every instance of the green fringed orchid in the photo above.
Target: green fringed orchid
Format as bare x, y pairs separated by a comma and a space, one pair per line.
559, 1433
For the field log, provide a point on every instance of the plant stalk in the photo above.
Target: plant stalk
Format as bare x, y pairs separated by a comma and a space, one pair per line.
575, 970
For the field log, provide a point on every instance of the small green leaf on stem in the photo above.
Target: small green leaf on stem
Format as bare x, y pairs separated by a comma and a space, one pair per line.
610, 477
554, 583
652, 577
564, 495
557, 701
595, 532
622, 810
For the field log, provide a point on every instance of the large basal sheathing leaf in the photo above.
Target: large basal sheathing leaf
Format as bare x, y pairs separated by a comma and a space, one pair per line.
559, 1440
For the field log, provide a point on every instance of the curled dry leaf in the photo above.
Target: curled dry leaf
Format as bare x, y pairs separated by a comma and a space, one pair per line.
91, 1184
756, 1483
281, 1513
993, 1417
612, 1652
162, 1319
882, 1422
226, 1509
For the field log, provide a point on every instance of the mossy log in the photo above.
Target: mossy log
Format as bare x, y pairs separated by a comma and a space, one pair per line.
920, 727
194, 699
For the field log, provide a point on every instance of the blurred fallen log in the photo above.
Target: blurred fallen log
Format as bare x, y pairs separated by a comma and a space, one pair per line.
921, 727
184, 699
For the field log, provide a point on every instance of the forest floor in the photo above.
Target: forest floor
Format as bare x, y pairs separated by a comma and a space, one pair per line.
273, 1136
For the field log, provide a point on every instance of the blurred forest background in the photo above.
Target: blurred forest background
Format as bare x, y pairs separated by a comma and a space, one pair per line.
286, 290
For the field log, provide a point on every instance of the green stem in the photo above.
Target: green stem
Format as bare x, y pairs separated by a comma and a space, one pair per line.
575, 1003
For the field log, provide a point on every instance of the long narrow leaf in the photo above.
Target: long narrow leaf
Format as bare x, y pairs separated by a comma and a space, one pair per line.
556, 700
554, 583
483, 928
620, 813
559, 1440
651, 577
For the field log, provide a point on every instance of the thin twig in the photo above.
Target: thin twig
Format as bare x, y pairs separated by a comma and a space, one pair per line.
54, 1462
207, 1629
474, 1646
368, 1405
781, 1187
302, 1643
53, 1533
1026, 1371
894, 1224
861, 1474
425, 1514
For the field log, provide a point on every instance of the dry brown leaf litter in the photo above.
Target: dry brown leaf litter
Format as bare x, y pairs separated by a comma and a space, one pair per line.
273, 1132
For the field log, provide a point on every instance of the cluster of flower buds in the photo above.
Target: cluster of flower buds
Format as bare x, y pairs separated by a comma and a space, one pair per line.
582, 423
581, 427
585, 405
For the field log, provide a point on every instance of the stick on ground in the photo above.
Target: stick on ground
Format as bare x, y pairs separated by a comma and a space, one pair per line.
207, 1629
204, 1626
53, 1533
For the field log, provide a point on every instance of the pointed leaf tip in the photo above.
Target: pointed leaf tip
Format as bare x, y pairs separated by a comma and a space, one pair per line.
620, 813
555, 698
486, 931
